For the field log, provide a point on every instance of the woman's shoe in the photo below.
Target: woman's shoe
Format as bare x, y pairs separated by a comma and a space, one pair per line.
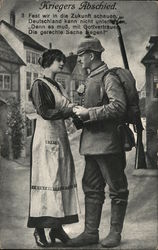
40, 237
58, 233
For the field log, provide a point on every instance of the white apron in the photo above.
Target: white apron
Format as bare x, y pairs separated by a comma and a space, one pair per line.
53, 183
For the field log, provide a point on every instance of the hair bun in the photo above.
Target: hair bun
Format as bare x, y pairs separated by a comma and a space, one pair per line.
48, 57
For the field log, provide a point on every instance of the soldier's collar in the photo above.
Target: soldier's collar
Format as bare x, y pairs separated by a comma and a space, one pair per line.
99, 69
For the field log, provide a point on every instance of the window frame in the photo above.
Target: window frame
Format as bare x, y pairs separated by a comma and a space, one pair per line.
155, 86
28, 83
3, 82
32, 57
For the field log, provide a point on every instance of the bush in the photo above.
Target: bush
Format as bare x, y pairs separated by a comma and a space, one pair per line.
5, 150
15, 127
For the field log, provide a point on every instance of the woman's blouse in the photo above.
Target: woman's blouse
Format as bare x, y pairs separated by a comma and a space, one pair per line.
44, 101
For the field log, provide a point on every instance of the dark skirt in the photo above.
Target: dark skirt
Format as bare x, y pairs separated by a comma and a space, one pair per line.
48, 222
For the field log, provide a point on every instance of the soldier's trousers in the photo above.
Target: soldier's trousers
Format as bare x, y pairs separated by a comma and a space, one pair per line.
101, 170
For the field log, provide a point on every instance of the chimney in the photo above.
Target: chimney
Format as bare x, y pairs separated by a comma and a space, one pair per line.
50, 45
12, 18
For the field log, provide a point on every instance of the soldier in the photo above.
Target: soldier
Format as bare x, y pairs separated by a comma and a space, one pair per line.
103, 112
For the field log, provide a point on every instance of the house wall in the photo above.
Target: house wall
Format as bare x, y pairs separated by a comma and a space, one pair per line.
13, 70
24, 92
19, 84
151, 116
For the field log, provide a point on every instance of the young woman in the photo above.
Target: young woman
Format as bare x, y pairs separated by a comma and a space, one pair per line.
53, 195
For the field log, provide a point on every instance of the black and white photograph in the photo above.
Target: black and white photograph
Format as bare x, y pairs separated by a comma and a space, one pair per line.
79, 124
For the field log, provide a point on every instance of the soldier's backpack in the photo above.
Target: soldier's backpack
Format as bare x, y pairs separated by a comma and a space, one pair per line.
129, 86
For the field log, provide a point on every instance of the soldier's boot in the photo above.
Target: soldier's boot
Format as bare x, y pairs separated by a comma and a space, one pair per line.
118, 212
91, 232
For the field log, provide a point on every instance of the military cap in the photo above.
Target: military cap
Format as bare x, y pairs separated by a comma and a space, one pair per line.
89, 43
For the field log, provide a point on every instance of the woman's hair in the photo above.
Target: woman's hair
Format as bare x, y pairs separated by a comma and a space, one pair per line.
48, 57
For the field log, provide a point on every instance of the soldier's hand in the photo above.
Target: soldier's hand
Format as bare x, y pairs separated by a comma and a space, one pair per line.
81, 112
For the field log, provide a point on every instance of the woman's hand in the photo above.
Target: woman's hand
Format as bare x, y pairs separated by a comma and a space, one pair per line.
81, 112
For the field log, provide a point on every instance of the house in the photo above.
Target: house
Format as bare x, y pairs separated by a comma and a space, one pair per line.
150, 61
18, 67
71, 77
10, 64
65, 76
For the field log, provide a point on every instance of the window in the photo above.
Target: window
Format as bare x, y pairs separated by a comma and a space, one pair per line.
5, 82
28, 56
30, 77
32, 57
155, 86
28, 80
1, 81
156, 89
37, 57
35, 76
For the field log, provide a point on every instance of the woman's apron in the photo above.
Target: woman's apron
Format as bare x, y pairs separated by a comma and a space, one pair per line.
53, 183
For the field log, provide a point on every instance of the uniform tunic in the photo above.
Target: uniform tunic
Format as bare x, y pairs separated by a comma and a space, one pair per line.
101, 142
53, 196
106, 103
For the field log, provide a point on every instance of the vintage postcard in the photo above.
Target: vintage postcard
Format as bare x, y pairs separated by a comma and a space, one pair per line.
44, 153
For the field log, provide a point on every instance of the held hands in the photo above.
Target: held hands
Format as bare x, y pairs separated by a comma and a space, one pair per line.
81, 112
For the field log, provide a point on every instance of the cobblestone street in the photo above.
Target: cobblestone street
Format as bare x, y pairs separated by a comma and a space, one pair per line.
140, 228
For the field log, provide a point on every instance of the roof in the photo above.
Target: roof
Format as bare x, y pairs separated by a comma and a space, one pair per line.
7, 53
151, 49
26, 39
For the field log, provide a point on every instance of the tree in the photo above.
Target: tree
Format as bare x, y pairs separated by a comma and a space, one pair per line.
15, 127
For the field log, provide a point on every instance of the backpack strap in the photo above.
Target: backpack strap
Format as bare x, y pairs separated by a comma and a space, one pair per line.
114, 72
102, 80
102, 83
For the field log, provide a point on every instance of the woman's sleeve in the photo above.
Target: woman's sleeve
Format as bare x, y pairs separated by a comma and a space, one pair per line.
68, 111
44, 101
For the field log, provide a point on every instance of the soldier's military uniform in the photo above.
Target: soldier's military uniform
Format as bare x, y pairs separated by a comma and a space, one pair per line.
101, 144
